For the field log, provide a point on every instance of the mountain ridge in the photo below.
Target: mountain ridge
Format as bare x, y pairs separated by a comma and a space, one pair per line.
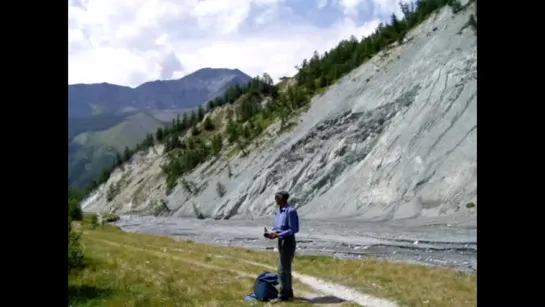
189, 91
161, 80
96, 111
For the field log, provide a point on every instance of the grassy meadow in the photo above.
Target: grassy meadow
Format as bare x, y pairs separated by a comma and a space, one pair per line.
129, 269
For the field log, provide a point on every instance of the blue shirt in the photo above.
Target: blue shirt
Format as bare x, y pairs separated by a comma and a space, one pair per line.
286, 221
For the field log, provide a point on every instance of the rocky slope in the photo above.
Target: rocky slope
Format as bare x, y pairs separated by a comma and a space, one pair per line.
393, 140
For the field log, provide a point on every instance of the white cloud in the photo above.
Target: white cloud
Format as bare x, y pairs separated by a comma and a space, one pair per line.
132, 41
350, 7
321, 3
220, 15
378, 7
385, 7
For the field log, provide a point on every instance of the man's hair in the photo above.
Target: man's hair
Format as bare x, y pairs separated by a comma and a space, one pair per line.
285, 195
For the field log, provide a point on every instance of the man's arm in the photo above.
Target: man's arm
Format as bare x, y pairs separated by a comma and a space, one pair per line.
293, 224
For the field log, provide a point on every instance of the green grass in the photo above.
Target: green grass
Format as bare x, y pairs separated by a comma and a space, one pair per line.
109, 218
263, 121
96, 149
413, 285
127, 133
289, 127
231, 153
212, 171
123, 269
85, 164
129, 269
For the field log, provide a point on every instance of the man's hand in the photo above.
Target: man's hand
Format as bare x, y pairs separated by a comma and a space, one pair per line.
273, 235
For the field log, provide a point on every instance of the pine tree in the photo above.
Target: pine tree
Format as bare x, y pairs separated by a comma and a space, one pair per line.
185, 122
118, 159
195, 131
178, 126
193, 118
200, 113
208, 124
217, 144
232, 131
159, 134
127, 154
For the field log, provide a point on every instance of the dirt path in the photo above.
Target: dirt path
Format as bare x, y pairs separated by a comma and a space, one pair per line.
317, 299
335, 290
335, 294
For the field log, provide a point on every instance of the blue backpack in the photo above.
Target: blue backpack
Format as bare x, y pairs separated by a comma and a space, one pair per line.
264, 287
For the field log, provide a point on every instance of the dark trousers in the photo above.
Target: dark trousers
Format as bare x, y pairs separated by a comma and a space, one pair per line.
286, 249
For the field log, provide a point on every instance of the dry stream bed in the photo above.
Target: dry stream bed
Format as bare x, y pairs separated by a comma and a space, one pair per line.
435, 245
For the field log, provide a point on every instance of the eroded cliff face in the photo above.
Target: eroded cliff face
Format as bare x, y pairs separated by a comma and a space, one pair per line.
394, 139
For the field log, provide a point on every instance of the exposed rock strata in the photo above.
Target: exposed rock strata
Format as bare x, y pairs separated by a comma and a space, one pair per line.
394, 139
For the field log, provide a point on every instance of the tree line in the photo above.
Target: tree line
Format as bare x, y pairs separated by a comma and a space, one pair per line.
251, 117
253, 91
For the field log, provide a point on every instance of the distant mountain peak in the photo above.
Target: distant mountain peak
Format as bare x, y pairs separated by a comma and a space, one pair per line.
209, 72
218, 69
101, 106
189, 91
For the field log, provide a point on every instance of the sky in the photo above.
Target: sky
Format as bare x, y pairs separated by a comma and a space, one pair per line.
129, 42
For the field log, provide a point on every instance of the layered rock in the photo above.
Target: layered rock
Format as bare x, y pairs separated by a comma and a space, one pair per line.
392, 140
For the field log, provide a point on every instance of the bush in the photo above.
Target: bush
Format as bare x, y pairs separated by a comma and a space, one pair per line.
109, 218
195, 131
159, 207
189, 186
456, 6
74, 210
94, 221
75, 253
208, 124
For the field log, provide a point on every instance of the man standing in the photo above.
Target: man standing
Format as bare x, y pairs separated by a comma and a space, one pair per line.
286, 225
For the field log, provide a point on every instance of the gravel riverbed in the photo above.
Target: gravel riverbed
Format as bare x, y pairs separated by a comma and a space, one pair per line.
436, 245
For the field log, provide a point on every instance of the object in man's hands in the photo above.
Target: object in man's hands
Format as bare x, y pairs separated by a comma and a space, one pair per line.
266, 233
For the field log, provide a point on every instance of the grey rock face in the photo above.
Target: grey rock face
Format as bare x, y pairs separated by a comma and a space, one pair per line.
395, 140
382, 164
